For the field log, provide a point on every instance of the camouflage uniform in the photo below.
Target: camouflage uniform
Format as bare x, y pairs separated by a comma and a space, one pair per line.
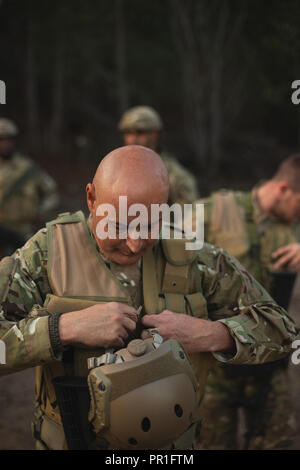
27, 194
261, 329
261, 391
183, 185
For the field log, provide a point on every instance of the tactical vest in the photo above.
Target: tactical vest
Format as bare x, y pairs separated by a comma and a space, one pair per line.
79, 278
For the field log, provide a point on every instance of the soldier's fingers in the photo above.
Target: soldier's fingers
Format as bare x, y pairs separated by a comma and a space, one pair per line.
118, 342
283, 260
129, 311
294, 263
145, 334
128, 323
132, 316
150, 320
281, 251
167, 312
122, 332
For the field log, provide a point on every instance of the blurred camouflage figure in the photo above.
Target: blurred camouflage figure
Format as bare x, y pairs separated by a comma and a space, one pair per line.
27, 194
202, 298
142, 125
257, 228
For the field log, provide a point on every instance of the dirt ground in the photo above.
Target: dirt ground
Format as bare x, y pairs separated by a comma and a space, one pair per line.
17, 396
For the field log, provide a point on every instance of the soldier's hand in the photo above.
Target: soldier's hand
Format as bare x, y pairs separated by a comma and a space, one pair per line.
105, 325
195, 334
288, 257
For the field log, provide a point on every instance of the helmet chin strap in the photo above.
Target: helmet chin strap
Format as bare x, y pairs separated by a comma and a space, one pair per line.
111, 356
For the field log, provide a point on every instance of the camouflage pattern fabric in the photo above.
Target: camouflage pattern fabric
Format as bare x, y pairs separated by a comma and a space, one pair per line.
262, 392
35, 198
183, 185
140, 118
270, 424
261, 329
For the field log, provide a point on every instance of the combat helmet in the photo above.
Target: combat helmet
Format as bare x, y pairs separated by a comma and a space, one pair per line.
143, 396
7, 128
141, 118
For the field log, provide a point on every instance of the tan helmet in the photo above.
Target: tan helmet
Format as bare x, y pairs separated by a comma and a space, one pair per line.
141, 118
143, 396
7, 128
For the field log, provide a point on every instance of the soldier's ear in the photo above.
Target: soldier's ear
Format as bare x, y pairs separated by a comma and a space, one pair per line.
91, 196
284, 189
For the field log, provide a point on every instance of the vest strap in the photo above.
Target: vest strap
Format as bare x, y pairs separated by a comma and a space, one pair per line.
175, 303
176, 279
153, 303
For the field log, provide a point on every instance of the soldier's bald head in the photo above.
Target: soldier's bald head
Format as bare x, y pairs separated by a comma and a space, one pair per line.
139, 174
133, 171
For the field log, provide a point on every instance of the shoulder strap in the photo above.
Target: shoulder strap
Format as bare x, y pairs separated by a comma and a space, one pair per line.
67, 218
166, 276
152, 302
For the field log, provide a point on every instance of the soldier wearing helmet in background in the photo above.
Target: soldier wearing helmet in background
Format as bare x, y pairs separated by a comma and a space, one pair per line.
27, 194
142, 125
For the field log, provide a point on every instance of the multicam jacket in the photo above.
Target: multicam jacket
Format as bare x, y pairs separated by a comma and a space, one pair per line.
261, 329
183, 185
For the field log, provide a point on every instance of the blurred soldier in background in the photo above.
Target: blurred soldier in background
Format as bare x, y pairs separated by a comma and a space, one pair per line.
27, 194
257, 228
142, 125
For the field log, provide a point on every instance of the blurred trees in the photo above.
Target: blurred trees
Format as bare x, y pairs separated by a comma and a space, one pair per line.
207, 35
218, 71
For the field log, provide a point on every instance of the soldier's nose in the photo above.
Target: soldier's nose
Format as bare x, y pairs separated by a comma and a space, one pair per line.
135, 245
130, 139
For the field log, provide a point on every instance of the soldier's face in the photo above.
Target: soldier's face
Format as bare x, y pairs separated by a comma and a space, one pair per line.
289, 207
7, 147
294, 207
146, 139
123, 249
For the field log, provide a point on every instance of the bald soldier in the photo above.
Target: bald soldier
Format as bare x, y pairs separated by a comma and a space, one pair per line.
69, 294
142, 125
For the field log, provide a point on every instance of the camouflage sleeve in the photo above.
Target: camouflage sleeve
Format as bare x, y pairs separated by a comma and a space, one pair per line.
262, 330
183, 185
49, 195
23, 321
